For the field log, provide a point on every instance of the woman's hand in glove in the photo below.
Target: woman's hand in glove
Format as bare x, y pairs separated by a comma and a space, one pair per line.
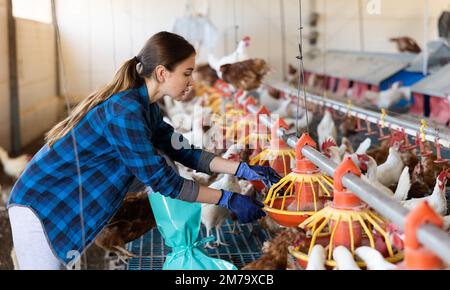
245, 208
264, 174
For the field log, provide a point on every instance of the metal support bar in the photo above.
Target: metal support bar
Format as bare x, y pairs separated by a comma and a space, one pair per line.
14, 111
373, 117
432, 237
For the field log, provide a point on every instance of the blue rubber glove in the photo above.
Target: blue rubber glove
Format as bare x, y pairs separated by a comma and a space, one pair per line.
266, 174
245, 208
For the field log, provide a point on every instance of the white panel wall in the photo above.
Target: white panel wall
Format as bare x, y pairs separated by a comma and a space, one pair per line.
39, 105
90, 28
397, 18
4, 79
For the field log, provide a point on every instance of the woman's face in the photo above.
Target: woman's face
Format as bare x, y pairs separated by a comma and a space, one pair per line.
178, 83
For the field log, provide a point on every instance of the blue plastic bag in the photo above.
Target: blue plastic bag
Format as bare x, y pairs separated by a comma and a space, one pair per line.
179, 223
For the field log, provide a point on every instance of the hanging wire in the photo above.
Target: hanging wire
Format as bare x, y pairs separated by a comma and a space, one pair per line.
301, 79
236, 26
361, 25
268, 33
74, 140
325, 44
283, 38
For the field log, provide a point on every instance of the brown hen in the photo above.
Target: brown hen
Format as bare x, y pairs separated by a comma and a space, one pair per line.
205, 75
133, 219
275, 257
246, 75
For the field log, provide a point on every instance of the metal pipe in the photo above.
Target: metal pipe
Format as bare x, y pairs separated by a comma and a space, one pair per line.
426, 16
14, 106
373, 117
431, 236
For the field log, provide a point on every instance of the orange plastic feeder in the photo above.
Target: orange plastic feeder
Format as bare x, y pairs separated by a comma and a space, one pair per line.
278, 155
301, 193
418, 257
346, 222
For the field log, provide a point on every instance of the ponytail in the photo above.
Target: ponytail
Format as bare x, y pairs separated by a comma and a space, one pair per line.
126, 78
164, 48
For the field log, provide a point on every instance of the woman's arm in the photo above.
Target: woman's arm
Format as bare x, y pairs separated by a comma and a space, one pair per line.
208, 195
220, 165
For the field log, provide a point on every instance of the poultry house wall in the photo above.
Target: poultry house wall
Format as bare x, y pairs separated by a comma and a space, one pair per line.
4, 78
90, 28
39, 106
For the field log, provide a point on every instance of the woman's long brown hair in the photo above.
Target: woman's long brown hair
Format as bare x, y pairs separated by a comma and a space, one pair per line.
163, 48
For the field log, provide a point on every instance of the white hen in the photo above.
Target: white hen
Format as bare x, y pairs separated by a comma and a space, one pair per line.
317, 259
364, 146
213, 216
389, 172
437, 200
173, 107
327, 128
390, 97
373, 259
240, 54
447, 223
13, 166
266, 100
283, 109
182, 123
344, 259
404, 183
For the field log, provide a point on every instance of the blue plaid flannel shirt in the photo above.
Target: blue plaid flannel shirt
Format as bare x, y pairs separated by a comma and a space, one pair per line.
116, 143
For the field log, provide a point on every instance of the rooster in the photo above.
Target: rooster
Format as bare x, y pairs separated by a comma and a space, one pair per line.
13, 166
245, 75
326, 128
437, 200
133, 219
368, 164
275, 256
241, 54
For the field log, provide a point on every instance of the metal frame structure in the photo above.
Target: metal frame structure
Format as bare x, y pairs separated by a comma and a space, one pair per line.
373, 117
14, 111
431, 236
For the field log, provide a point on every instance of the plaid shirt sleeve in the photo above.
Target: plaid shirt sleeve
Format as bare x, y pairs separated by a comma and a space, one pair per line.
184, 153
130, 137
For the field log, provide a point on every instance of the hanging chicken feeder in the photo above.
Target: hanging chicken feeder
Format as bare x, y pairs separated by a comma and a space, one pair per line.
228, 121
245, 122
279, 155
301, 193
418, 257
258, 135
346, 222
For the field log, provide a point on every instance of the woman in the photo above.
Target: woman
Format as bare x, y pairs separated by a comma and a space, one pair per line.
75, 184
